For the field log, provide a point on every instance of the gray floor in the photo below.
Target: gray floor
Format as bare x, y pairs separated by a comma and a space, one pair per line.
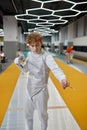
60, 117
3, 66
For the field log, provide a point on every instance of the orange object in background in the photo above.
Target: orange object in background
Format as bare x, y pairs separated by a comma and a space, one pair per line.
69, 49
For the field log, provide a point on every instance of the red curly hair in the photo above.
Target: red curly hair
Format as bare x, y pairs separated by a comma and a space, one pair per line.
34, 38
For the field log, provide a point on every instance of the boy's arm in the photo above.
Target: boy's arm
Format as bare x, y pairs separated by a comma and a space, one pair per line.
23, 67
57, 71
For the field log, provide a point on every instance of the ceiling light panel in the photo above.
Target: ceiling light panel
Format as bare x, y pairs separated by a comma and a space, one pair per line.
36, 21
58, 21
45, 24
25, 17
45, 1
77, 1
44, 33
50, 17
58, 5
66, 13
39, 12
42, 28
52, 13
45, 29
81, 6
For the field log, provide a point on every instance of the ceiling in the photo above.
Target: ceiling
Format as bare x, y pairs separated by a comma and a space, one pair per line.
43, 15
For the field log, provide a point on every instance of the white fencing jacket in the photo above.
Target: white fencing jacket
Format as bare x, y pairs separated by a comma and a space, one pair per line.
39, 66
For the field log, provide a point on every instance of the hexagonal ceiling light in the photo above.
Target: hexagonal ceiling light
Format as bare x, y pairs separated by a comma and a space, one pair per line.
52, 12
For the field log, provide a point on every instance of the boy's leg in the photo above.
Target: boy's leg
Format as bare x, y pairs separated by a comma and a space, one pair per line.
68, 57
71, 57
41, 104
29, 110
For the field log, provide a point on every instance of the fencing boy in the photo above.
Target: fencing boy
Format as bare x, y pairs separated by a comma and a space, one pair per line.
39, 63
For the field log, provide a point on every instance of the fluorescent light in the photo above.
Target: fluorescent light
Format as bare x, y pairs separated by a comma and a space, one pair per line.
48, 22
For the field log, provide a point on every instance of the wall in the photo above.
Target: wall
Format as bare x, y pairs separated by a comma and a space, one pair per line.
10, 28
10, 49
80, 41
75, 32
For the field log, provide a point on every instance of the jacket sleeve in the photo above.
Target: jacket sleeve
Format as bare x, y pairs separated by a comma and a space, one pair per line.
57, 71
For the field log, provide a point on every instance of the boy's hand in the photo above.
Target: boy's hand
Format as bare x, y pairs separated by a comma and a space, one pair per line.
65, 83
16, 61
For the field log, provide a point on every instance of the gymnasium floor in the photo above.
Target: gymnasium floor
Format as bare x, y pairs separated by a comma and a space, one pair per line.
60, 118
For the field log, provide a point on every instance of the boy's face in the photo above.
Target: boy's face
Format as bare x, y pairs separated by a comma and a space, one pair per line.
35, 46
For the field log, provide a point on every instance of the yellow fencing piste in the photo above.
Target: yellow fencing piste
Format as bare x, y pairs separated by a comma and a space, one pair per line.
75, 96
8, 81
